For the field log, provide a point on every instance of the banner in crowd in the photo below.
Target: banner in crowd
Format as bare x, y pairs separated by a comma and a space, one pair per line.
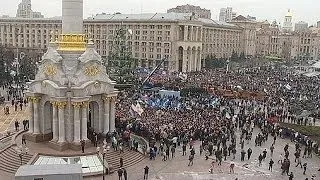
167, 93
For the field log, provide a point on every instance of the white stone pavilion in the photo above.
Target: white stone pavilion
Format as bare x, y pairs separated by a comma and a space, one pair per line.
71, 91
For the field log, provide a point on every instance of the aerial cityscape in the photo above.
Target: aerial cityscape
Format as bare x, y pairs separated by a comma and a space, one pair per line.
190, 93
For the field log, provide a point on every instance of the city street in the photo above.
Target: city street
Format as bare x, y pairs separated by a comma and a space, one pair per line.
7, 121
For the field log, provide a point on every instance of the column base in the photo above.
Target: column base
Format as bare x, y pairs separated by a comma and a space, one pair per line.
76, 146
38, 137
58, 145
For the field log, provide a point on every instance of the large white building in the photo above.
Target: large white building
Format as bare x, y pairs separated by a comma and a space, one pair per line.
183, 37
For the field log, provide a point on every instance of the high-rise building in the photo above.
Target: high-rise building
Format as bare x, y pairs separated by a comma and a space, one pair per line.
202, 13
287, 24
226, 14
318, 24
301, 26
25, 11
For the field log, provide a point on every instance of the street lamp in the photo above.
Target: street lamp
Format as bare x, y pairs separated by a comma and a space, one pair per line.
228, 61
104, 152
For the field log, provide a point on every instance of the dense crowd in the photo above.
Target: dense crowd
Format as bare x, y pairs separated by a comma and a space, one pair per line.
214, 119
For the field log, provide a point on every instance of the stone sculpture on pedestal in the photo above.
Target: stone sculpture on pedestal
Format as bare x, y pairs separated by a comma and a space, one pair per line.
71, 92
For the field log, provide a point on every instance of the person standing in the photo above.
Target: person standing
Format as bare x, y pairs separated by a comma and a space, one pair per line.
184, 149
271, 164
120, 172
121, 162
173, 150
249, 153
125, 174
271, 150
232, 167
299, 162
191, 157
304, 168
146, 172
260, 159
243, 153
83, 143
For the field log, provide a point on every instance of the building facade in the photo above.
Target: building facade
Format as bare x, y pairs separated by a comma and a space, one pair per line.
301, 26
183, 38
25, 11
202, 13
226, 14
248, 34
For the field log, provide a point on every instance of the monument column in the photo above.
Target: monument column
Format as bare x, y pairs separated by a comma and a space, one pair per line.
62, 133
76, 117
36, 122
84, 121
31, 126
106, 115
101, 116
55, 123
112, 114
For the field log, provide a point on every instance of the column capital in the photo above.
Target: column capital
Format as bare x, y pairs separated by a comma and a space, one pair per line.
77, 105
34, 99
61, 105
54, 103
109, 98
85, 104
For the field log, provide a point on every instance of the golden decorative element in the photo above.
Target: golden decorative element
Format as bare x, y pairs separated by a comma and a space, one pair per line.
85, 104
51, 70
54, 104
92, 70
35, 100
77, 105
113, 98
72, 42
61, 105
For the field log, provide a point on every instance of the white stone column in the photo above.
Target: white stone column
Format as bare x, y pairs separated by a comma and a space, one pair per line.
77, 125
62, 133
106, 115
36, 121
31, 126
55, 123
184, 61
185, 30
112, 114
101, 116
84, 111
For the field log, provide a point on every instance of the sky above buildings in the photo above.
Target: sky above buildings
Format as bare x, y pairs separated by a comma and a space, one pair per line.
303, 10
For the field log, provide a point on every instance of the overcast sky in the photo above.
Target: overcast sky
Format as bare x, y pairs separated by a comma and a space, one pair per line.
303, 10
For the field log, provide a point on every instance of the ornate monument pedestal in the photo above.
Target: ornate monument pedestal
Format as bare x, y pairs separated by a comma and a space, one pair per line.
72, 94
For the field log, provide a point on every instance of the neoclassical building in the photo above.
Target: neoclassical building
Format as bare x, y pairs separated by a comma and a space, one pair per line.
71, 92
183, 38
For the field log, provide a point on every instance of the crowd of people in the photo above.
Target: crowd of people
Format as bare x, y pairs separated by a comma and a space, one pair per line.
215, 119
